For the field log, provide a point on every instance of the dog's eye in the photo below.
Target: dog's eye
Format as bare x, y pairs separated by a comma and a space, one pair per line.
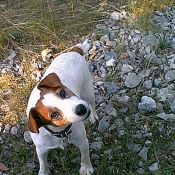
55, 115
63, 93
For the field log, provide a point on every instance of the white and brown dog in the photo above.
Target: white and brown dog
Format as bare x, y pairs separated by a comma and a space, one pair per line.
59, 104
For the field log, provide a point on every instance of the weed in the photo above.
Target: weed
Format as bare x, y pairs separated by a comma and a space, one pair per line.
162, 42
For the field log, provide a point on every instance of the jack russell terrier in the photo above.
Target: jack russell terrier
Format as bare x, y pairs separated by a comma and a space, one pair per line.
59, 104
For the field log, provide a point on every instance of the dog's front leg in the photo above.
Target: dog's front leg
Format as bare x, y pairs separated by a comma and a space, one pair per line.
42, 156
78, 138
86, 167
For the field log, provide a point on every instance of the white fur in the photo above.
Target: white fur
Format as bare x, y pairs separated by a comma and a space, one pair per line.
73, 72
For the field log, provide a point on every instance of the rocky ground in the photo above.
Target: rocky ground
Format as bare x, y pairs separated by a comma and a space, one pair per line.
133, 72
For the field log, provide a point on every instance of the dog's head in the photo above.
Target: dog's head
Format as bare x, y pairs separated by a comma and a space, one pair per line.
57, 106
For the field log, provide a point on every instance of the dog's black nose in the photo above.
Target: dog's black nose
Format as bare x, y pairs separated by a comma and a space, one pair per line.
80, 110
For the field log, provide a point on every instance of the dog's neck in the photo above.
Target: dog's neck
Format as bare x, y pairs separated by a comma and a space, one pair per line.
61, 133
77, 49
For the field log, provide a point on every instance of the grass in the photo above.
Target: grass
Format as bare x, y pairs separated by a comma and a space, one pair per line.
143, 11
30, 26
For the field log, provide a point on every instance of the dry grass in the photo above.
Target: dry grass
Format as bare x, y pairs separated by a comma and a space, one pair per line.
45, 22
14, 92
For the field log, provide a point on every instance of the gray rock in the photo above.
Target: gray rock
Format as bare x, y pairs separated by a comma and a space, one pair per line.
171, 101
126, 68
149, 40
132, 80
160, 126
140, 171
148, 50
101, 26
153, 167
14, 130
163, 93
111, 88
145, 73
157, 81
111, 55
1, 123
147, 135
148, 142
109, 153
131, 54
102, 69
122, 98
10, 59
138, 135
47, 54
110, 110
133, 146
1, 140
118, 15
143, 153
100, 99
172, 66
147, 84
7, 128
173, 42
111, 34
31, 165
147, 104
167, 117
96, 145
3, 173
119, 123
112, 127
110, 63
170, 75
104, 124
136, 39
160, 19
121, 132
27, 136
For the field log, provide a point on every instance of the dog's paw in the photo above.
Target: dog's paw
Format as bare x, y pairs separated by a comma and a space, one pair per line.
93, 118
43, 173
86, 169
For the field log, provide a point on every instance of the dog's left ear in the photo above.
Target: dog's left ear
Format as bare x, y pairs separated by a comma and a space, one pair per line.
50, 81
34, 121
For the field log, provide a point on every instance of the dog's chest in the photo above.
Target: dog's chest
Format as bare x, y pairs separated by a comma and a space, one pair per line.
52, 141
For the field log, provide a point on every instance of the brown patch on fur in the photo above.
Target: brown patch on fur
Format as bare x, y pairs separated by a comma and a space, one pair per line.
77, 49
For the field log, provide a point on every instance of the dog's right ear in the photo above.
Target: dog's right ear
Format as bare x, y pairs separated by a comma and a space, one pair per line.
34, 121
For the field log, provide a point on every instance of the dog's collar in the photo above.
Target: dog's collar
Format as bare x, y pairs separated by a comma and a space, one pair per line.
62, 134
77, 49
